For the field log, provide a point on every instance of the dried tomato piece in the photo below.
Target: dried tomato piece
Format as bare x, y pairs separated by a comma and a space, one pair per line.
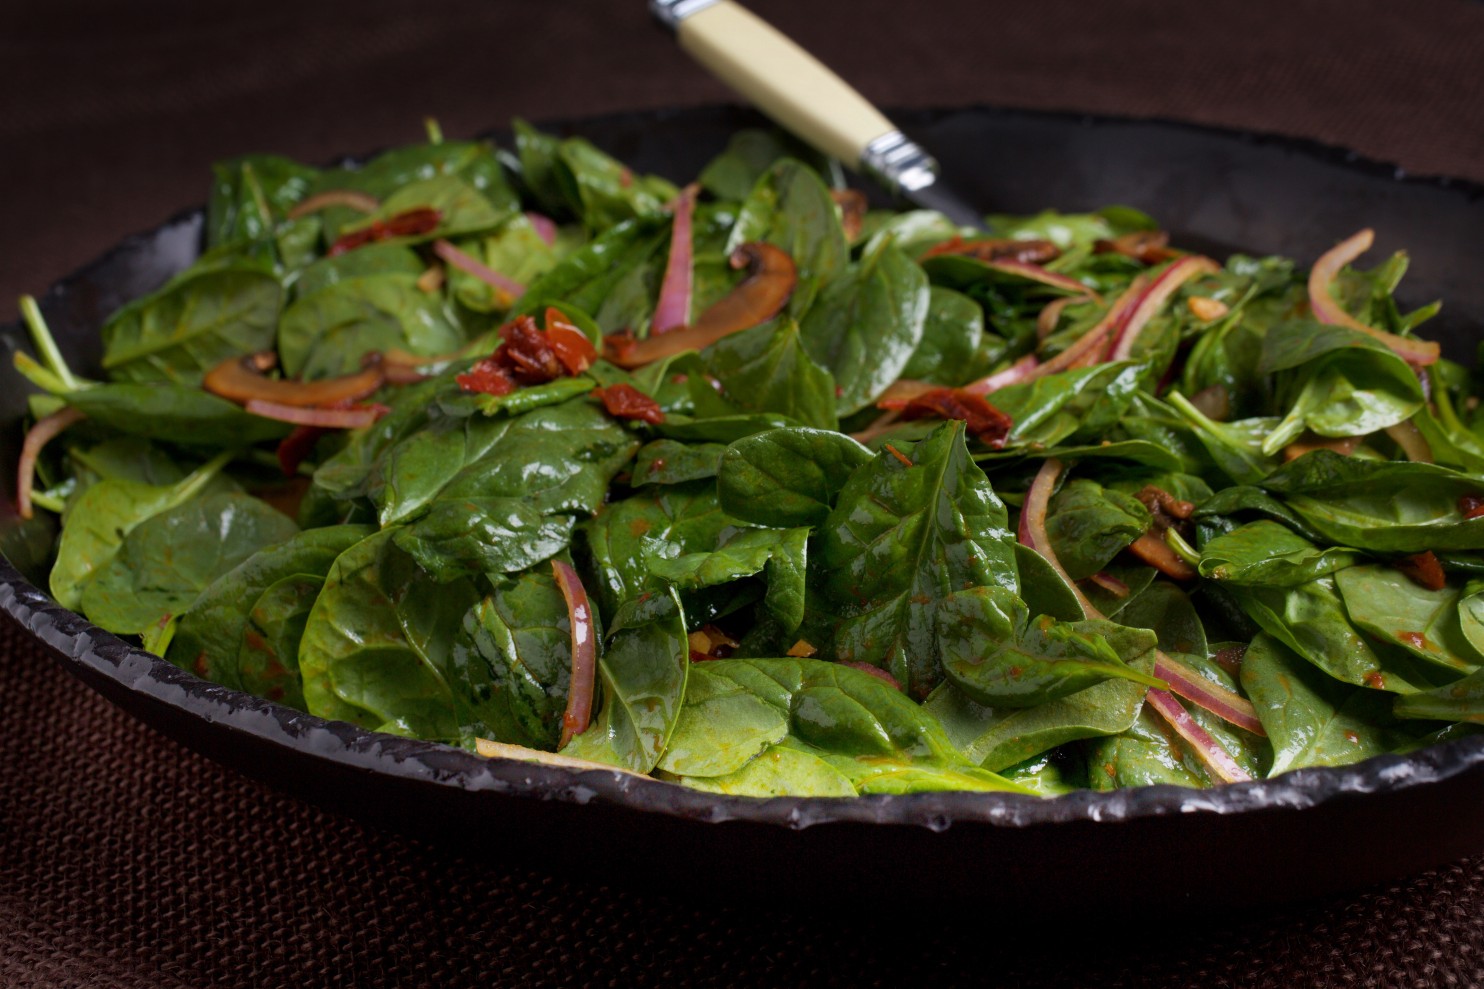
410, 223
1471, 506
628, 402
571, 345
487, 377
1423, 569
985, 422
1153, 550
1146, 246
296, 447
528, 353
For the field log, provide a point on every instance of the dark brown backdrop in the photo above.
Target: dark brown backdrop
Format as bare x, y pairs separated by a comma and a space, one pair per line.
126, 861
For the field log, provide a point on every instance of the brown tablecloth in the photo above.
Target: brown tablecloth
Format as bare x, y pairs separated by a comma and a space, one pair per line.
126, 860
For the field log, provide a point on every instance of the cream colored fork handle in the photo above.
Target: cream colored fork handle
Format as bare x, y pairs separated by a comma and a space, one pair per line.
782, 80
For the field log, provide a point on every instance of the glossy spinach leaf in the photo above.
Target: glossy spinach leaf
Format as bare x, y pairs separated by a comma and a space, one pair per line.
1089, 525
643, 674
174, 413
673, 462
866, 324
1165, 609
204, 315
1381, 601
779, 770
1149, 753
210, 637
787, 477
790, 208
1462, 700
587, 278
995, 653
373, 259
250, 195
99, 518
952, 349
522, 633
326, 334
1312, 719
462, 209
168, 559
901, 537
746, 553
768, 369
382, 642
1266, 552
1384, 506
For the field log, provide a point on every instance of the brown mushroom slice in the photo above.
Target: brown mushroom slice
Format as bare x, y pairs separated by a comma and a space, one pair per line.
241, 380
757, 298
853, 205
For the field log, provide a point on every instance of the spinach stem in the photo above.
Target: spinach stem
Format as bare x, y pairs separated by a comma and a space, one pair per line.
1182, 548
48, 501
45, 345
35, 372
434, 129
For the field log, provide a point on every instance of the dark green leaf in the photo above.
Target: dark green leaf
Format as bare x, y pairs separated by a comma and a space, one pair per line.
787, 477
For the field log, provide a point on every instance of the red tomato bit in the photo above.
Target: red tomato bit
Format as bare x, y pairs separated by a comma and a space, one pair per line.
628, 402
985, 422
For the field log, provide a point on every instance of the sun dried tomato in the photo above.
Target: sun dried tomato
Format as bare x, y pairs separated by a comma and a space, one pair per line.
985, 422
1423, 569
411, 223
1471, 506
488, 377
628, 402
571, 345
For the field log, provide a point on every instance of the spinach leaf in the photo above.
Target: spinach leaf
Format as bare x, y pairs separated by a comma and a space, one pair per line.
201, 317
951, 351
250, 194
211, 640
997, 655
744, 554
790, 208
372, 259
996, 738
168, 559
516, 250
173, 413
99, 518
780, 770
866, 325
1083, 403
1394, 609
603, 191
462, 209
1310, 718
673, 462
464, 537
326, 334
1167, 611
1149, 753
380, 646
863, 727
1265, 552
1383, 506
768, 369
1462, 700
787, 477
901, 537
521, 631
1089, 525
1311, 620
643, 672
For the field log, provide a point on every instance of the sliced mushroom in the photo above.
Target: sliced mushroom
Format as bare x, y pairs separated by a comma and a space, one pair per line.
759, 297
241, 380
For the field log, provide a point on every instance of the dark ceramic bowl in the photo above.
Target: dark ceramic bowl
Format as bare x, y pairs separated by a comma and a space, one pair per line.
1303, 834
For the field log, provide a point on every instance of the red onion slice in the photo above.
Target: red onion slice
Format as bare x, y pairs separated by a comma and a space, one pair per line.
545, 226
1036, 273
452, 255
355, 417
1328, 310
1216, 759
1033, 526
1213, 697
1153, 298
1020, 371
38, 436
1413, 443
672, 310
579, 712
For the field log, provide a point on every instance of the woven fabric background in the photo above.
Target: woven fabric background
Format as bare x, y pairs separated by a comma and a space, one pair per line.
126, 860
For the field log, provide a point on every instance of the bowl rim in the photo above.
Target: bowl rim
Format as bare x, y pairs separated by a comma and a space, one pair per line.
88, 651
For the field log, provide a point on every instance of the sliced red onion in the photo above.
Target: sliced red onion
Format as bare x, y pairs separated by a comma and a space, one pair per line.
1152, 299
484, 273
335, 197
1216, 759
579, 712
546, 227
1327, 308
1033, 526
1088, 348
1111, 584
1036, 273
1413, 443
1213, 697
1051, 314
38, 436
672, 310
1012, 375
355, 417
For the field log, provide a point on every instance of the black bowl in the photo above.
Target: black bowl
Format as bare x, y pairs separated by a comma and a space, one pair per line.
1305, 833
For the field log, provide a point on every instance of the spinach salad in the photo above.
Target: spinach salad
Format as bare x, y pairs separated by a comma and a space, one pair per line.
749, 487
